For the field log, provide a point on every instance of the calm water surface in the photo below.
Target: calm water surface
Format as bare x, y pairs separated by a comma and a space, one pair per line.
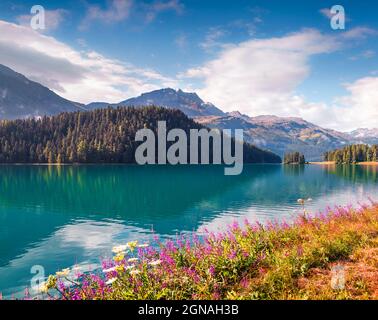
58, 217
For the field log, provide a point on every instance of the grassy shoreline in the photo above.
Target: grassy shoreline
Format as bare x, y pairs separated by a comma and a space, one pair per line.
275, 261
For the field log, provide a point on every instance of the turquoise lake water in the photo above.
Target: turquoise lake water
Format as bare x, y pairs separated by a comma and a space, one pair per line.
58, 217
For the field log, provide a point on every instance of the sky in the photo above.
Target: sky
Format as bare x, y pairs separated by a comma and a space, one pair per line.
256, 56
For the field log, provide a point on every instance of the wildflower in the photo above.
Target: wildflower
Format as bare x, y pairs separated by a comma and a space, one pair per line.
119, 249
110, 281
120, 268
109, 270
63, 273
262, 270
143, 245
155, 263
49, 284
26, 293
132, 245
130, 267
212, 271
131, 260
235, 226
119, 257
216, 296
134, 272
244, 282
43, 288
232, 255
167, 259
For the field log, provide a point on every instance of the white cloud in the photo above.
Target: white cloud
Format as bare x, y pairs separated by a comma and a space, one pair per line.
160, 6
360, 107
212, 39
326, 12
252, 75
53, 18
359, 33
117, 10
261, 76
82, 76
367, 54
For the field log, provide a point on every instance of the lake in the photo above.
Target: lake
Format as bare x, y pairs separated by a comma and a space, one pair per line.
61, 216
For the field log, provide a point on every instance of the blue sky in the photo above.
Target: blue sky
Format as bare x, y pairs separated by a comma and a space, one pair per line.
259, 57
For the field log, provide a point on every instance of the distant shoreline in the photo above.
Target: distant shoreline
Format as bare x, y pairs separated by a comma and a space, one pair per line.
124, 163
327, 163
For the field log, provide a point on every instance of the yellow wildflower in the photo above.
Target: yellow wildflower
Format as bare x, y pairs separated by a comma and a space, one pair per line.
119, 257
63, 273
132, 245
50, 283
120, 268
44, 288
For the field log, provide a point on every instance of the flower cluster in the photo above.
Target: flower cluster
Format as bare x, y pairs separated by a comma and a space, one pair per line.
252, 261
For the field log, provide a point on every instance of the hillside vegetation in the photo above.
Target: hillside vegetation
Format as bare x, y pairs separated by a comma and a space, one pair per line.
353, 154
98, 136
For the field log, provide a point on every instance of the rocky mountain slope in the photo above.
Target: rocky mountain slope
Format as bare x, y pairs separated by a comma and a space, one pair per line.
281, 135
189, 103
23, 98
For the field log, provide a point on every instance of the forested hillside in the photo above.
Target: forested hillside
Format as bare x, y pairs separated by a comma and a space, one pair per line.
353, 154
98, 136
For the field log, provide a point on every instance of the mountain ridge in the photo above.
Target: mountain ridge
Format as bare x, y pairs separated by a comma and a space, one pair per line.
286, 134
188, 102
23, 98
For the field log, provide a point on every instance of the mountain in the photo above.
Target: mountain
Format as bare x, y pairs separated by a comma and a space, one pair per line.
22, 98
282, 134
189, 103
97, 105
364, 135
97, 136
277, 134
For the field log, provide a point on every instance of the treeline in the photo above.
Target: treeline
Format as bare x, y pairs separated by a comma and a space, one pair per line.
294, 158
98, 136
353, 154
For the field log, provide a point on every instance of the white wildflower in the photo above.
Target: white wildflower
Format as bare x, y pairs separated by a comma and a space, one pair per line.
110, 281
155, 263
109, 270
